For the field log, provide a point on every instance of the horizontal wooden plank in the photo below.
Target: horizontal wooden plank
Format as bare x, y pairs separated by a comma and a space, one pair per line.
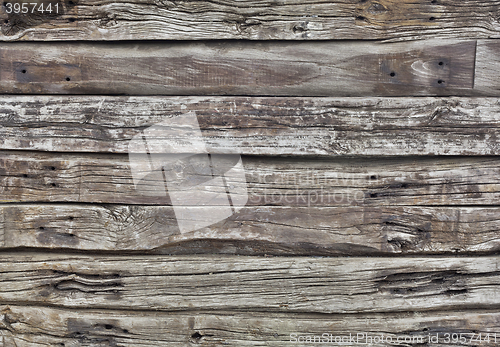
107, 179
29, 326
254, 230
256, 20
330, 68
258, 125
314, 285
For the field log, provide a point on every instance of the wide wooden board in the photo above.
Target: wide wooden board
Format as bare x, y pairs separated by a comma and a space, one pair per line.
256, 20
22, 326
107, 179
291, 284
258, 125
330, 68
254, 230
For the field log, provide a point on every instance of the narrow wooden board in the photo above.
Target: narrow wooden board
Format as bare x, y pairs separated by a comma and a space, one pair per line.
107, 179
258, 125
314, 285
256, 20
29, 326
254, 230
331, 68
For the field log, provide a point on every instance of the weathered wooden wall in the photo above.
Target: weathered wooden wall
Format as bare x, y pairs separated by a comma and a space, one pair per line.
368, 131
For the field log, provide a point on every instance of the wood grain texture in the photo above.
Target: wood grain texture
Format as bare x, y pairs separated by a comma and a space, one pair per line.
38, 177
255, 230
258, 126
487, 69
28, 326
314, 285
256, 20
129, 276
331, 68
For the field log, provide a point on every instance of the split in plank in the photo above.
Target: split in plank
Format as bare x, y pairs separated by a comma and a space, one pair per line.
258, 125
256, 20
329, 68
291, 284
28, 326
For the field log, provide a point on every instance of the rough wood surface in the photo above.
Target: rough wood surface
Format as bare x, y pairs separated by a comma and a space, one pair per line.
258, 20
330, 68
254, 230
488, 66
171, 294
107, 179
314, 285
259, 125
29, 326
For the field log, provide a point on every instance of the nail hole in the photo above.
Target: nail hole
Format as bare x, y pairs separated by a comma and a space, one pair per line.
393, 74
41, 228
108, 326
373, 177
71, 20
6, 21
441, 63
373, 195
23, 71
52, 168
71, 218
433, 1
125, 331
25, 175
196, 336
53, 185
72, 3
432, 18
360, 18
68, 79
440, 81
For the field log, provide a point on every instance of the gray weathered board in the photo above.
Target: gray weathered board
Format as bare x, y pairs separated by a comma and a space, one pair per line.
254, 230
42, 326
251, 19
276, 284
331, 68
34, 177
270, 126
